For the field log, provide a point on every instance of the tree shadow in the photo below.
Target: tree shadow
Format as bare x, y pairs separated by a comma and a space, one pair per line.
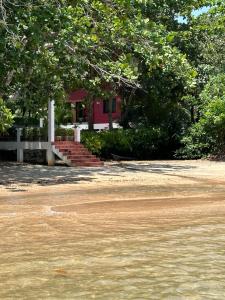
165, 168
17, 177
153, 167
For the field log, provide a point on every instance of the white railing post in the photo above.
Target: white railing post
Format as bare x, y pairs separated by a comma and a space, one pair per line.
77, 134
51, 131
41, 122
51, 121
19, 150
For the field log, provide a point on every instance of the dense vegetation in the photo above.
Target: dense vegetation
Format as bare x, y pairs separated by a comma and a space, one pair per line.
141, 143
167, 63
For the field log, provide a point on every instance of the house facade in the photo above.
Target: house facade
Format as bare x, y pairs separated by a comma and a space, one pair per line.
100, 111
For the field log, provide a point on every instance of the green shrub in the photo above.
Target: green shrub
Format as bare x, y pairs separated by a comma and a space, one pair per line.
142, 143
93, 141
196, 143
64, 131
147, 143
34, 134
116, 142
6, 117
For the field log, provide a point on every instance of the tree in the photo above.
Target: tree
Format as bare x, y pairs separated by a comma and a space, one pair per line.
6, 117
207, 136
50, 47
207, 133
202, 40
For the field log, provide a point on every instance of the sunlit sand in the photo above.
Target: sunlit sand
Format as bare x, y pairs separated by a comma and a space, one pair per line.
125, 231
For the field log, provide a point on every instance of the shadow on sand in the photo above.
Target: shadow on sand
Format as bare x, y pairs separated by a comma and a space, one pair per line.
17, 177
25, 174
153, 167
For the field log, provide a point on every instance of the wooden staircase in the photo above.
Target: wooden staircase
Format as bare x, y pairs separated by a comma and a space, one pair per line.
75, 154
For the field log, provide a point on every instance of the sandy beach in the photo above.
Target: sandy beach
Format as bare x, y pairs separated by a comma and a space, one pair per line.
125, 231
118, 186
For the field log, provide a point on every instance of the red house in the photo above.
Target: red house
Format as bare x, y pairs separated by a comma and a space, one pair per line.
100, 110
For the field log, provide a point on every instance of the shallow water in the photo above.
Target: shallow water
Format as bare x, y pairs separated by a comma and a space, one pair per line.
57, 253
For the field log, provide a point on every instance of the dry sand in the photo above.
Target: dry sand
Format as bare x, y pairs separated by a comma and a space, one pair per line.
132, 188
68, 233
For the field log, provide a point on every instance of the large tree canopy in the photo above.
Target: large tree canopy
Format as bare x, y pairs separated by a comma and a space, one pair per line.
160, 64
48, 48
206, 42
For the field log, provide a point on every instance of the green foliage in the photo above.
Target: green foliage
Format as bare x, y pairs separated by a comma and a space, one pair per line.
214, 89
63, 113
138, 49
207, 136
176, 94
50, 47
6, 117
41, 134
142, 143
34, 134
116, 142
93, 141
64, 132
196, 143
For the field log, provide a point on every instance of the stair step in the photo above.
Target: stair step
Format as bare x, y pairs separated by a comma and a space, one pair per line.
67, 143
93, 160
74, 151
77, 154
88, 164
69, 147
89, 156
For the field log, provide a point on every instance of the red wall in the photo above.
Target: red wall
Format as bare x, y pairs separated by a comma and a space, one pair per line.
77, 96
98, 115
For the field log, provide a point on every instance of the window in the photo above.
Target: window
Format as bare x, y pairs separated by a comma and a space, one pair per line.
106, 106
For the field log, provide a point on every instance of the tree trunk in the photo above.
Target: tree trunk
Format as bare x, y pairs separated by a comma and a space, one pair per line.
74, 113
192, 114
110, 114
90, 114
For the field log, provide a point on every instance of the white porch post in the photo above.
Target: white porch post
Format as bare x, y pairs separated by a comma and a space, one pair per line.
51, 131
19, 150
77, 137
41, 122
51, 121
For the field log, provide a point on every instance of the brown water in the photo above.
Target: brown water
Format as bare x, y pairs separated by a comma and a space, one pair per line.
148, 248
